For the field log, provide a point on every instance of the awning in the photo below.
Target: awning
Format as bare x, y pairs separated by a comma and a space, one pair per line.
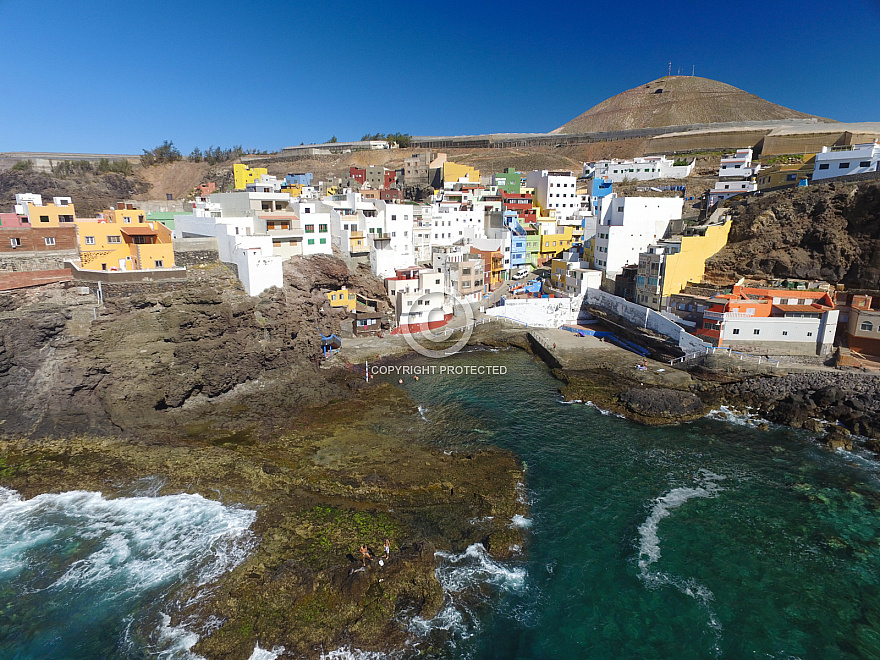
139, 231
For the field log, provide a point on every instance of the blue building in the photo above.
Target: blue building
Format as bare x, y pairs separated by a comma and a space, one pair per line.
302, 179
601, 187
518, 254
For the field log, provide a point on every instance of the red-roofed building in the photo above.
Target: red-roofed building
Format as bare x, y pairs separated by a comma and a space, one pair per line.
771, 321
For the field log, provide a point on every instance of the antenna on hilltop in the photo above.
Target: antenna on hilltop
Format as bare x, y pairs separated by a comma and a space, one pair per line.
670, 69
693, 68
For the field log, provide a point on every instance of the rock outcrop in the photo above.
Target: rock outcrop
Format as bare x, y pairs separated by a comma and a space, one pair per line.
825, 231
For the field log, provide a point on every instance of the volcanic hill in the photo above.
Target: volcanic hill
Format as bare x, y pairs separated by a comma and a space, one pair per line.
678, 101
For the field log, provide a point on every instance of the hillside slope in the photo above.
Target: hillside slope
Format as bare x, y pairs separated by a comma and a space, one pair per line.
676, 101
828, 231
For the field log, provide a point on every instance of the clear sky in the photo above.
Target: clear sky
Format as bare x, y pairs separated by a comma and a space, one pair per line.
118, 77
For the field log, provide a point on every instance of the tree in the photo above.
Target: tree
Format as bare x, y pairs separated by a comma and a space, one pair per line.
164, 153
333, 140
23, 166
196, 155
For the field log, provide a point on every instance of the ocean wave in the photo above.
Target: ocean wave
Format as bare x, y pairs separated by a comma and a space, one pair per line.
520, 522
649, 546
110, 557
728, 414
463, 577
346, 653
265, 654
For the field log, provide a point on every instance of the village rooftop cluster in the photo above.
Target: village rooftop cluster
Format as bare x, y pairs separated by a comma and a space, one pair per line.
524, 246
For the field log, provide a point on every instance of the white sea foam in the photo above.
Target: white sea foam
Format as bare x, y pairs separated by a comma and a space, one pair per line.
175, 641
422, 411
126, 546
457, 574
264, 654
346, 653
649, 545
727, 414
520, 521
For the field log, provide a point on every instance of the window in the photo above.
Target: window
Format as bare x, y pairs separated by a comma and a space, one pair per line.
49, 240
791, 177
756, 331
15, 242
785, 333
393, 217
44, 218
103, 266
310, 229
308, 210
311, 241
865, 163
126, 219
90, 240
867, 326
114, 239
159, 263
323, 241
843, 166
736, 331
809, 334
823, 166
322, 228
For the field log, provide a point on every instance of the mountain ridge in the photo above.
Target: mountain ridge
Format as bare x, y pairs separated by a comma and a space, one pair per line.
678, 101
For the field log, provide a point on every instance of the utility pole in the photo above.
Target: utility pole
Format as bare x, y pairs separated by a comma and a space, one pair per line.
693, 68
670, 70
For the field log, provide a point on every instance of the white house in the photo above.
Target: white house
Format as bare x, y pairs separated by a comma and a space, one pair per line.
626, 226
450, 223
420, 299
737, 173
639, 169
258, 267
842, 161
315, 222
738, 165
555, 190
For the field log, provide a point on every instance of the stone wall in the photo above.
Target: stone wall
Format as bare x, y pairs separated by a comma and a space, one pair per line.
17, 262
195, 251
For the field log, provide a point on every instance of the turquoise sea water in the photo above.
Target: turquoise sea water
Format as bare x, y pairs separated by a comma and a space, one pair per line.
704, 540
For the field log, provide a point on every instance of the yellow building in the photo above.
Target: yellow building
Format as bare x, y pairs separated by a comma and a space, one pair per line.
452, 172
689, 265
126, 215
343, 298
788, 174
50, 215
554, 243
125, 245
295, 190
244, 175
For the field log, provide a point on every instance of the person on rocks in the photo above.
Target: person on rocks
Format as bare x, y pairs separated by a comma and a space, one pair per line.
365, 554
387, 549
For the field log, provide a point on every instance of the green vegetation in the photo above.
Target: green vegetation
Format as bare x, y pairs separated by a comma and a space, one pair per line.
333, 139
164, 153
402, 139
681, 162
336, 532
23, 166
73, 167
782, 159
214, 155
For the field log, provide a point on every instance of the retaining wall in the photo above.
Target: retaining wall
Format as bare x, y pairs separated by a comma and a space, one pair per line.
644, 317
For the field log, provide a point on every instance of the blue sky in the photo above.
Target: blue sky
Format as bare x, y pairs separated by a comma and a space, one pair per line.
119, 77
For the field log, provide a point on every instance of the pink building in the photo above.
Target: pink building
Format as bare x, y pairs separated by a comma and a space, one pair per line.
10, 220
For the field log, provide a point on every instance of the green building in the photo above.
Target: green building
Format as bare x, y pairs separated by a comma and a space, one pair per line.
509, 181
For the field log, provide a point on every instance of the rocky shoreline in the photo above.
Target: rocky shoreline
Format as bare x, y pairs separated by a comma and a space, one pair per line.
348, 473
